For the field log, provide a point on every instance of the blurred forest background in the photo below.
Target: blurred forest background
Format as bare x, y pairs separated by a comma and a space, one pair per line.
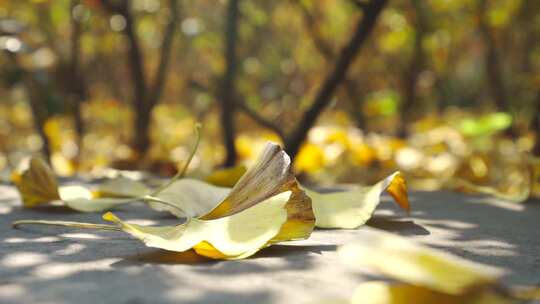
447, 91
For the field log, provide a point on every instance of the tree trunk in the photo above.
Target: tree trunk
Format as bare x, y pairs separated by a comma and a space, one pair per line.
35, 94
535, 125
141, 139
416, 64
228, 90
78, 89
495, 83
325, 93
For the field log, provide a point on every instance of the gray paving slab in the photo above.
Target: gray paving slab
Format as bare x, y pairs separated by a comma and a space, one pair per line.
59, 265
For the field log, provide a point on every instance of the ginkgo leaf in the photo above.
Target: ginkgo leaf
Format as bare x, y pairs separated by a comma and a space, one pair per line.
122, 187
36, 182
226, 177
351, 209
384, 293
232, 237
38, 186
82, 199
534, 163
405, 261
192, 197
265, 206
269, 175
519, 193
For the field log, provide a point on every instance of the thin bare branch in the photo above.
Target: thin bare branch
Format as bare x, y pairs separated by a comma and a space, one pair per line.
335, 77
261, 120
165, 54
227, 90
535, 125
326, 50
79, 87
310, 24
361, 4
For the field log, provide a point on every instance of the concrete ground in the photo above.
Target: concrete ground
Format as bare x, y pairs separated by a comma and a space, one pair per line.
59, 265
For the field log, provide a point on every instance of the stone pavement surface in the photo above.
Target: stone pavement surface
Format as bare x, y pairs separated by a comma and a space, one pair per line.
59, 265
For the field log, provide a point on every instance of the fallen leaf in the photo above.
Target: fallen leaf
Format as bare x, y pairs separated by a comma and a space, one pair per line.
310, 158
534, 163
36, 182
189, 198
423, 275
351, 209
82, 199
265, 206
227, 177
405, 261
519, 193
384, 293
122, 187
38, 185
232, 237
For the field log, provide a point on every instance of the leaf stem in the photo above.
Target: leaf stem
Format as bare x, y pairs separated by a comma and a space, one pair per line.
182, 172
16, 224
154, 199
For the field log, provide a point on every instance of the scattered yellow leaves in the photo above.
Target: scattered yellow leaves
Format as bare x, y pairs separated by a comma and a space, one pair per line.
226, 177
265, 206
310, 158
535, 168
351, 209
38, 185
424, 275
232, 237
377, 292
36, 182
189, 197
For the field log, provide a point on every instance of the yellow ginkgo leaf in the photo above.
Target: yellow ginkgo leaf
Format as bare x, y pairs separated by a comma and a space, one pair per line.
83, 199
310, 158
518, 193
38, 186
351, 209
534, 163
191, 197
265, 206
384, 293
36, 182
405, 261
233, 237
226, 177
122, 187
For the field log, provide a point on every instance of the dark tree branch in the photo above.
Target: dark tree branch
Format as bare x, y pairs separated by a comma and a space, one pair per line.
416, 64
336, 76
259, 119
144, 97
199, 86
324, 48
135, 56
363, 5
310, 23
535, 125
35, 94
79, 88
165, 54
495, 83
227, 90
115, 6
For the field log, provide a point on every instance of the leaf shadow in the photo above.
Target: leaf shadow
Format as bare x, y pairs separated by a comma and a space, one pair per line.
288, 250
163, 257
52, 209
397, 225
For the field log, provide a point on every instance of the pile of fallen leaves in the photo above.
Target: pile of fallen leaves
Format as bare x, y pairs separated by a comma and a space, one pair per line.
234, 213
